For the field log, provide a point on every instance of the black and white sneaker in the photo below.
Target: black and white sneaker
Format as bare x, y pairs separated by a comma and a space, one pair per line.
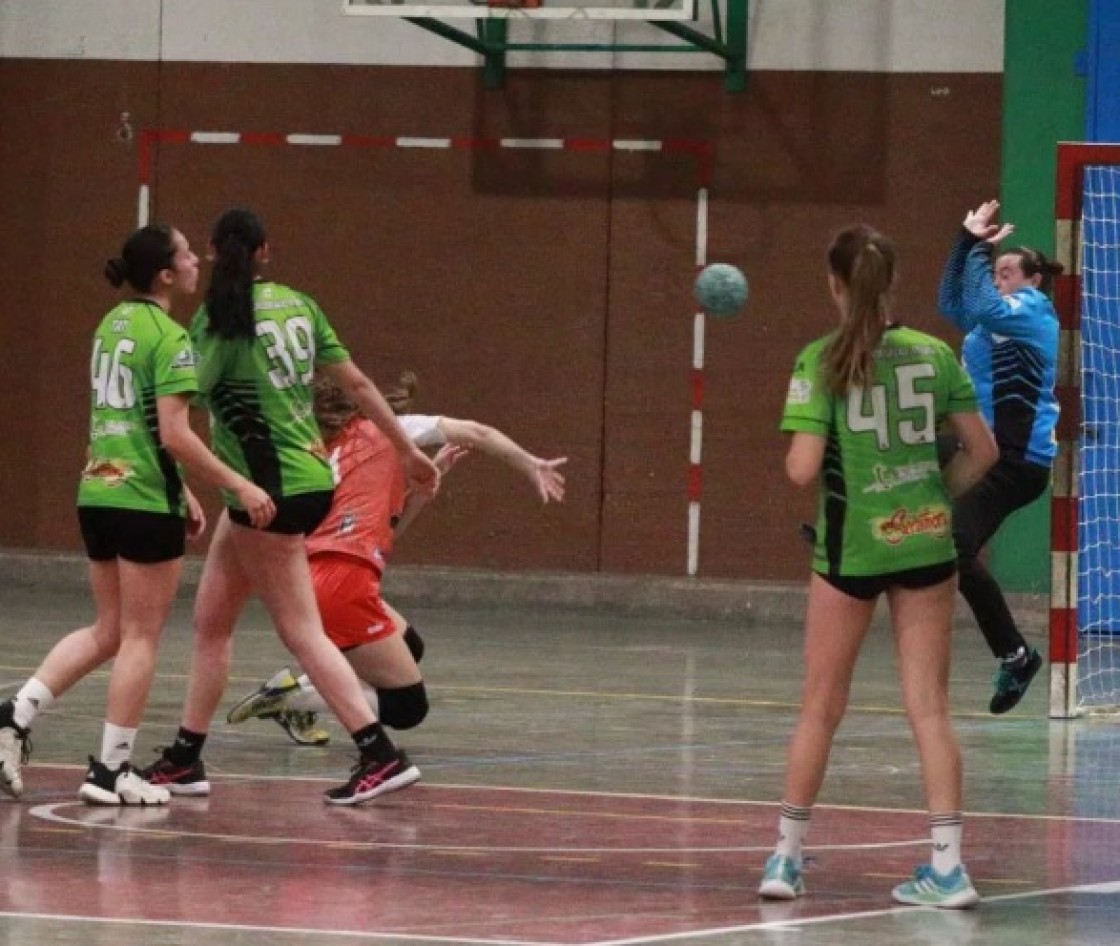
373, 777
1014, 676
119, 786
15, 750
189, 779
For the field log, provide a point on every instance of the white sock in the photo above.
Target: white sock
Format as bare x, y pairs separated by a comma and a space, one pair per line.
116, 745
308, 698
946, 830
32, 698
793, 825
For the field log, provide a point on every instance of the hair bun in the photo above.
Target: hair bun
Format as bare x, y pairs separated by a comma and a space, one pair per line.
116, 271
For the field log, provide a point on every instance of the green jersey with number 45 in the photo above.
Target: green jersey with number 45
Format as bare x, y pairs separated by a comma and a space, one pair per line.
259, 392
883, 505
139, 355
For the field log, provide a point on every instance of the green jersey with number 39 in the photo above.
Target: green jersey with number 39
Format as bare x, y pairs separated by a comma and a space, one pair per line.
883, 505
139, 355
259, 392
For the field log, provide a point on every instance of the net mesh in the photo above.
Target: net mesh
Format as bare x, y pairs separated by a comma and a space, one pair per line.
1098, 598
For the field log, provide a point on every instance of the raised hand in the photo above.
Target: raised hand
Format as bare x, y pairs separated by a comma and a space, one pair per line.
447, 456
548, 479
422, 474
981, 223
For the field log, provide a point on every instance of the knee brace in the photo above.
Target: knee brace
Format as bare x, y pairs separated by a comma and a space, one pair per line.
403, 707
414, 642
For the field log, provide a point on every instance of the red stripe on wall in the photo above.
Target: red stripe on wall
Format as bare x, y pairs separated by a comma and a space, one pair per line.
697, 385
1069, 420
1063, 636
368, 141
695, 482
1067, 292
1063, 524
263, 138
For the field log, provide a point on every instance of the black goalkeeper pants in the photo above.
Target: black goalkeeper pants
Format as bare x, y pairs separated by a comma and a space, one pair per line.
977, 514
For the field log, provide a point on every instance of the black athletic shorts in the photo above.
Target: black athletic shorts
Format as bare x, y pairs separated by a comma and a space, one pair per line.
869, 587
295, 515
132, 534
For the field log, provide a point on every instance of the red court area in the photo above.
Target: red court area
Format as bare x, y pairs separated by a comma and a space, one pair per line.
485, 864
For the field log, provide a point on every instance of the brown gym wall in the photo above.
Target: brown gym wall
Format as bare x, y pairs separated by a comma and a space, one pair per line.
546, 293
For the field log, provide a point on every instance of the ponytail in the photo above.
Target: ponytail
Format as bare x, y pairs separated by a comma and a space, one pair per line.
1034, 263
237, 236
863, 260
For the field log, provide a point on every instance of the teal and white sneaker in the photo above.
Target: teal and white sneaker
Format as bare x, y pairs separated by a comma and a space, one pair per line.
781, 879
951, 891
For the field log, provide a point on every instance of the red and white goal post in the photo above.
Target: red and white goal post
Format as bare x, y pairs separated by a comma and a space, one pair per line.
1085, 511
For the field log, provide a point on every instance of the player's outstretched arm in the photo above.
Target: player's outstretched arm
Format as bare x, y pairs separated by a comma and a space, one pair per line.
545, 475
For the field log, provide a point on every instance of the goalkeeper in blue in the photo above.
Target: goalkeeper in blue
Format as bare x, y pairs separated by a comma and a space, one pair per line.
1010, 351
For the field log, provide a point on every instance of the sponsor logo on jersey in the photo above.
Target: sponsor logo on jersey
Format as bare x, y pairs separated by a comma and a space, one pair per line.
903, 524
110, 428
185, 359
347, 523
886, 478
800, 391
110, 472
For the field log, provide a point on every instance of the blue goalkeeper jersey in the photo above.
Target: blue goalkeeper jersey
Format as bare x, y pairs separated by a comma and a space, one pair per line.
1010, 351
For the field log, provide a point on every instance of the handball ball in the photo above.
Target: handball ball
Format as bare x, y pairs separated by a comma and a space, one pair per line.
721, 290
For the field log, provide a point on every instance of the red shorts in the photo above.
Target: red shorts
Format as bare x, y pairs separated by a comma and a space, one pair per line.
348, 591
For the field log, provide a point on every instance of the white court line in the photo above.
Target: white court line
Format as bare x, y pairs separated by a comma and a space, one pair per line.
50, 813
641, 796
300, 930
792, 926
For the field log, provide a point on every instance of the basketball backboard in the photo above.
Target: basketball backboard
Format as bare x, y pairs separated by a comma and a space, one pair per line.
637, 10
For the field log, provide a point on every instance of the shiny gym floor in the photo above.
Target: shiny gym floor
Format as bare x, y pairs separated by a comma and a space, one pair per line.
588, 778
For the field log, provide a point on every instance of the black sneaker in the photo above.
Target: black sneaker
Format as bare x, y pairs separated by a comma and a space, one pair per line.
1015, 675
120, 786
373, 777
179, 779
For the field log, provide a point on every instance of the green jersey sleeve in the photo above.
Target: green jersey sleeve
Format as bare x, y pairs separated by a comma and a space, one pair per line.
809, 404
173, 365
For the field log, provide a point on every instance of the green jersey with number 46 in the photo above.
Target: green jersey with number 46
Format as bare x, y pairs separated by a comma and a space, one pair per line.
883, 505
259, 392
139, 355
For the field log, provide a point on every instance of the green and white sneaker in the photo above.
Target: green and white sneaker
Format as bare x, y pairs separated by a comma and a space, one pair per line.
268, 699
928, 888
781, 879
